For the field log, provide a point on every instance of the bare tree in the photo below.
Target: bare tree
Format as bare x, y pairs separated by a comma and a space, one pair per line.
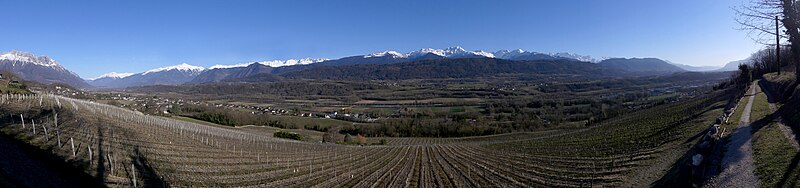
330, 135
759, 18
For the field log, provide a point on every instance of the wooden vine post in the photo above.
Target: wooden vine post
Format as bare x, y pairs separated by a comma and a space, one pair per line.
72, 142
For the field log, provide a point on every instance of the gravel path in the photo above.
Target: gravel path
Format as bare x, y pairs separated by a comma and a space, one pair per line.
737, 164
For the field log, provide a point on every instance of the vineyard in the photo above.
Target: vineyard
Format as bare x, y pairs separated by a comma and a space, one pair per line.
127, 148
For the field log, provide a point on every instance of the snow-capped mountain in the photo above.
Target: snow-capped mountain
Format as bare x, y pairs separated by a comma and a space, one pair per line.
520, 54
452, 52
583, 58
387, 57
459, 52
223, 72
171, 75
183, 67
393, 54
290, 62
219, 73
107, 78
274, 63
19, 57
112, 75
40, 69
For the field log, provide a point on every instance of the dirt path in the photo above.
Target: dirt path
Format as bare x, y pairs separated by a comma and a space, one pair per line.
737, 164
786, 130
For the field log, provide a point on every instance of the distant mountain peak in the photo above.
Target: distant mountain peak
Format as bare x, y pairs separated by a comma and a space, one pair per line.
584, 58
113, 75
28, 57
230, 66
290, 62
181, 67
451, 52
393, 54
455, 49
41, 69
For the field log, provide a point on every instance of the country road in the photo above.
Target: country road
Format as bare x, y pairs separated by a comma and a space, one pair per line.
737, 164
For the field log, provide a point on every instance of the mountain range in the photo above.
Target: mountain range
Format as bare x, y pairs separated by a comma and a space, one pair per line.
46, 70
172, 75
219, 73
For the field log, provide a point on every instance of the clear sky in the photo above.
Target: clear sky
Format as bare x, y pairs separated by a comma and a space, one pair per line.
95, 37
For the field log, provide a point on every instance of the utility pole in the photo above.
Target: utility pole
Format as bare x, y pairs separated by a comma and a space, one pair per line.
778, 45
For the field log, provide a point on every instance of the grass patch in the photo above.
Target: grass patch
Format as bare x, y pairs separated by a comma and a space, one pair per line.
772, 151
785, 77
663, 97
189, 119
467, 86
733, 121
760, 106
773, 155
8, 87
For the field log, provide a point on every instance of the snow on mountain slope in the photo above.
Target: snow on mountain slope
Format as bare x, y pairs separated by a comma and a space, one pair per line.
25, 57
229, 66
451, 52
182, 67
577, 57
393, 54
41, 69
459, 52
113, 75
514, 54
274, 63
290, 62
171, 75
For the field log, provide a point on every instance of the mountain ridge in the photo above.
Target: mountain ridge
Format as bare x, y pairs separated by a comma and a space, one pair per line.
647, 65
40, 69
189, 74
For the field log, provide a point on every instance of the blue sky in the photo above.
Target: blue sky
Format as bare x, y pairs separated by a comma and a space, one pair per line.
95, 37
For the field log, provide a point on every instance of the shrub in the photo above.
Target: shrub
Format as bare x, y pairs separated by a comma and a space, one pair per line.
361, 139
221, 119
348, 138
288, 135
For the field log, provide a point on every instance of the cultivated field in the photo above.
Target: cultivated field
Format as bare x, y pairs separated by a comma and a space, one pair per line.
124, 148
